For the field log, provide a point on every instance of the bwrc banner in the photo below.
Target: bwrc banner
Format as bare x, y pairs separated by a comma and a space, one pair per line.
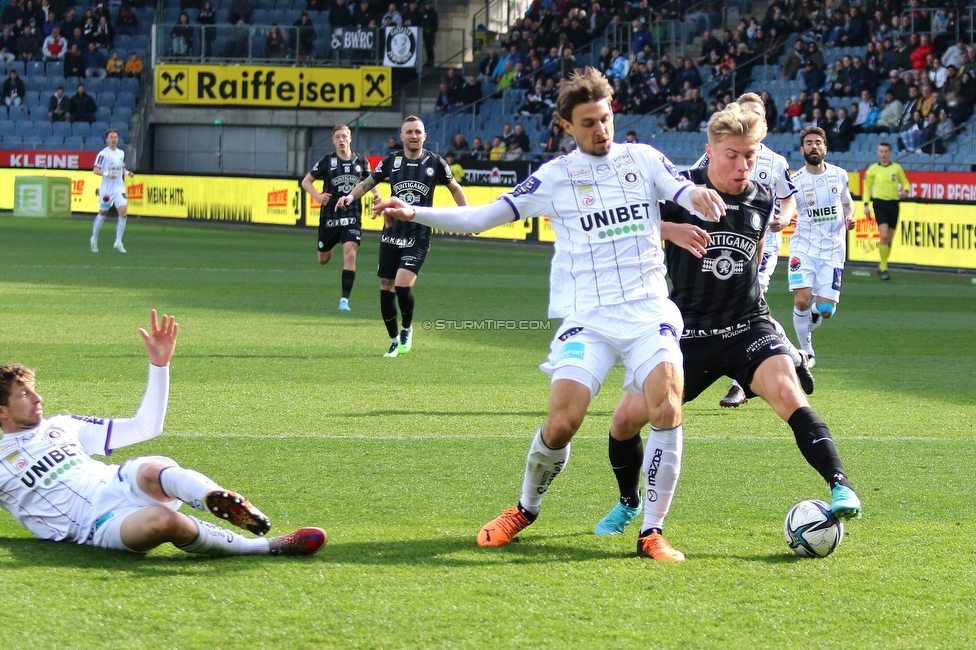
49, 159
282, 87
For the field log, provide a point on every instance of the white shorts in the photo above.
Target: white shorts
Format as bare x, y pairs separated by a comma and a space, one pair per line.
640, 334
822, 276
116, 196
771, 246
120, 497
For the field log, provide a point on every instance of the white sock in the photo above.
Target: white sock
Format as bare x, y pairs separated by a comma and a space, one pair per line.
541, 467
119, 229
187, 485
790, 348
662, 467
99, 220
801, 323
215, 540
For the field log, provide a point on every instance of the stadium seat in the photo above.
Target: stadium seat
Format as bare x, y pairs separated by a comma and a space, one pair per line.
106, 99
103, 114
96, 144
74, 143
126, 100
261, 16
139, 43
81, 128
23, 129
93, 86
51, 84
62, 129
35, 69
124, 40
111, 85
130, 85
42, 128
18, 66
54, 69
7, 127
171, 14
19, 113
31, 98
33, 142
12, 142
98, 128
71, 84
121, 127
122, 114
53, 142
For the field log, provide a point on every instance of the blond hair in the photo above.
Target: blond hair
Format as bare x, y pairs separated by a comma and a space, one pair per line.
732, 122
582, 87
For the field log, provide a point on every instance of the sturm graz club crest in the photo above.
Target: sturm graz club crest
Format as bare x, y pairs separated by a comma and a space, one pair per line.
401, 45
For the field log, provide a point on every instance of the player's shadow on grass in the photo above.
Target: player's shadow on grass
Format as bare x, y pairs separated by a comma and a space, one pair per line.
399, 412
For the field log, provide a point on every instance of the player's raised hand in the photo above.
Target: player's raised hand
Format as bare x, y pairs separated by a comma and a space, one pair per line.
395, 208
161, 342
707, 203
688, 236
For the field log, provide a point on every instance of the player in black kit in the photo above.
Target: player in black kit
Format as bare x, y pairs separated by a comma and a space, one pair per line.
727, 328
413, 173
340, 171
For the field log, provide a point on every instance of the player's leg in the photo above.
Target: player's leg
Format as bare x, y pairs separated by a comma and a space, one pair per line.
887, 218
802, 325
350, 247
626, 453
104, 203
122, 206
411, 261
775, 381
389, 263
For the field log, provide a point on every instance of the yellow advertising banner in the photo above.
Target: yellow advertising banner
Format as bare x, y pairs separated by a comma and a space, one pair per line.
216, 198
273, 86
84, 186
940, 235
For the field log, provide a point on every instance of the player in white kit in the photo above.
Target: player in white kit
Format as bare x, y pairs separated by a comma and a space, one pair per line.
110, 165
818, 248
52, 486
607, 283
772, 170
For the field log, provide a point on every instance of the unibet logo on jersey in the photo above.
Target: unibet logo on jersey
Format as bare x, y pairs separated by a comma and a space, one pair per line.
615, 221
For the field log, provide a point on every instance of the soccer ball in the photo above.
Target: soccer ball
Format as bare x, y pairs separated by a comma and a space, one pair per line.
811, 529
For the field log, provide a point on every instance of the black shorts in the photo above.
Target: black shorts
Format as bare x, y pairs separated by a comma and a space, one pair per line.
886, 212
393, 258
735, 353
329, 236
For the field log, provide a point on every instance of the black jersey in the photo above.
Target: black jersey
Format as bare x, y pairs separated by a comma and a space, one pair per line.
721, 289
413, 182
340, 177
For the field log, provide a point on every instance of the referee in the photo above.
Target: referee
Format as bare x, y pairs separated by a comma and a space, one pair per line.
413, 173
884, 178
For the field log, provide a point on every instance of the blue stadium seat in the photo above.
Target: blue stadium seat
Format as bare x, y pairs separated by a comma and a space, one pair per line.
139, 43
74, 143
18, 66
31, 98
81, 128
7, 127
61, 128
35, 69
261, 16
23, 129
103, 114
53, 142
71, 84
96, 144
98, 128
111, 84
121, 127
33, 142
126, 100
171, 14
131, 85
122, 114
93, 85
19, 113
54, 69
106, 99
42, 127
12, 142
124, 40
51, 84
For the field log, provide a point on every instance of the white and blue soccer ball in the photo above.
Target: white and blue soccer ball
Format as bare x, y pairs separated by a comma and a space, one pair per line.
811, 530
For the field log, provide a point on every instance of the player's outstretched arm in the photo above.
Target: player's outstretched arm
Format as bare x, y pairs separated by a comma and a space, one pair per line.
705, 203
688, 236
467, 219
161, 342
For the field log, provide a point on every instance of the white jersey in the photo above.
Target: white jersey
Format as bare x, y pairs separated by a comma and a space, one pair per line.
606, 216
773, 171
821, 230
48, 479
111, 162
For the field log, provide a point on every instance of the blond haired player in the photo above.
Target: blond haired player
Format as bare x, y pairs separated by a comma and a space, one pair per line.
110, 165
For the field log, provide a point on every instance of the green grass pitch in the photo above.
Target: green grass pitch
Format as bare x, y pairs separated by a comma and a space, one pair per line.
278, 395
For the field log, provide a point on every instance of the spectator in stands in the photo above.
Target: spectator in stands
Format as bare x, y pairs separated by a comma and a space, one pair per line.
619, 66
855, 29
710, 47
133, 67
967, 90
49, 24
946, 129
456, 168
237, 40
522, 138
477, 150
77, 37
486, 69
115, 66
444, 99
640, 36
82, 107
411, 15
27, 45
497, 148
127, 23
919, 57
181, 36
596, 21
795, 61
911, 131
393, 15
513, 153
890, 116
275, 45
927, 101
13, 89
240, 10
104, 34
937, 73
429, 23
364, 16
506, 78
459, 146
13, 12
954, 53
841, 132
74, 62
95, 62
340, 16
813, 78
208, 19
772, 113
304, 46
58, 106
860, 78
8, 45
392, 145
34, 14
929, 140
864, 108
791, 118
55, 46
69, 23
469, 93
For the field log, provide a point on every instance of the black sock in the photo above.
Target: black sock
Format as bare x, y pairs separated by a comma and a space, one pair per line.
626, 459
389, 311
817, 446
348, 277
528, 515
405, 298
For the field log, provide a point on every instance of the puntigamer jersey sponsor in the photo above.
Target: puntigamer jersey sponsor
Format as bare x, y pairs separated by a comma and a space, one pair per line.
821, 232
111, 162
604, 211
412, 181
340, 177
48, 479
